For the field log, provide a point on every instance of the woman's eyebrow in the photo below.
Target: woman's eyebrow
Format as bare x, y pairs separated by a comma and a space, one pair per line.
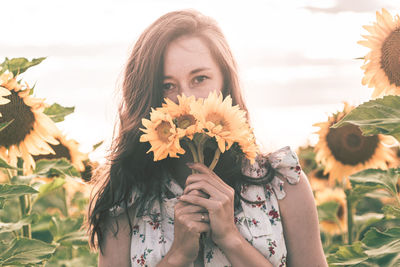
199, 70
191, 73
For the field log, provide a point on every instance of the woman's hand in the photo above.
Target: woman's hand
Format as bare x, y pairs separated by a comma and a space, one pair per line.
220, 204
188, 225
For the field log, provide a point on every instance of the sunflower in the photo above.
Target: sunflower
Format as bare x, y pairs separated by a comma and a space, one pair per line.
248, 144
318, 180
90, 167
219, 119
307, 158
344, 151
30, 131
4, 92
333, 195
382, 64
396, 163
160, 131
68, 149
185, 122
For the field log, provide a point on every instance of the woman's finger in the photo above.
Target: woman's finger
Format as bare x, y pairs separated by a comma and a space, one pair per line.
198, 193
189, 208
194, 223
205, 173
210, 205
206, 187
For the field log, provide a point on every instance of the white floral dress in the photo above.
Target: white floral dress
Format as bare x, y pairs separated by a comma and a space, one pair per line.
260, 224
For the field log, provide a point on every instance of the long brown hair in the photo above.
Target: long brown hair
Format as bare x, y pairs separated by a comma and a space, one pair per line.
128, 164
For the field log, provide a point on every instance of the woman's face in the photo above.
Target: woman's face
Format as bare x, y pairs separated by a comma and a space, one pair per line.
190, 69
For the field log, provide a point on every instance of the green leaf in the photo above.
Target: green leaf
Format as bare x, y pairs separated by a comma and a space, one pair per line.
378, 116
10, 227
32, 89
4, 164
348, 255
44, 189
369, 205
374, 177
97, 145
395, 261
73, 256
4, 125
78, 238
62, 228
57, 112
8, 190
328, 211
26, 251
10, 211
19, 65
382, 225
380, 243
391, 210
361, 190
54, 199
2, 202
55, 167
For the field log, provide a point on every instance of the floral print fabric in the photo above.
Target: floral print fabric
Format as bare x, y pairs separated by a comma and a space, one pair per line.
260, 224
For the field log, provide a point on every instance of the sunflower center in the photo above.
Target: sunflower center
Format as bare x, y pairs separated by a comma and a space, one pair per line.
390, 61
60, 150
340, 211
163, 131
217, 119
320, 175
185, 121
23, 122
349, 146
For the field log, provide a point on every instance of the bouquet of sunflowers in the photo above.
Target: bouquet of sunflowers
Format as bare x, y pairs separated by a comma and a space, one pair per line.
195, 121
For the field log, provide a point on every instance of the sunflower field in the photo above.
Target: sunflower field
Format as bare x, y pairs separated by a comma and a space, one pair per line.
43, 179
354, 170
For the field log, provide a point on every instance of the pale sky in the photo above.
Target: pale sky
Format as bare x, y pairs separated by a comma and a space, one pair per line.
296, 58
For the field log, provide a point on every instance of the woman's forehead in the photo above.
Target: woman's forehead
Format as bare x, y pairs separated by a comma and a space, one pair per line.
188, 54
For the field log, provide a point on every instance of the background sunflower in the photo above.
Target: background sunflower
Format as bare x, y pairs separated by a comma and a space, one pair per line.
69, 149
337, 224
382, 64
30, 130
344, 150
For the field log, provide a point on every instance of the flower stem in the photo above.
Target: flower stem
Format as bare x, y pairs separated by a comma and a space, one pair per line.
25, 204
349, 217
215, 159
200, 148
194, 152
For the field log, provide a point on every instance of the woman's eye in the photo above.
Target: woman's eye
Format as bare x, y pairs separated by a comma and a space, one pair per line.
168, 86
200, 79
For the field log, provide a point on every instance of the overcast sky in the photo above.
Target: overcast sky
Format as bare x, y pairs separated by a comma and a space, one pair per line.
296, 58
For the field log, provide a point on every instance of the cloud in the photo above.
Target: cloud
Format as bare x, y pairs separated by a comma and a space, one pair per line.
285, 59
358, 6
62, 50
307, 91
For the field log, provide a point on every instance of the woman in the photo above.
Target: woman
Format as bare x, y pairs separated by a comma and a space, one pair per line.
150, 213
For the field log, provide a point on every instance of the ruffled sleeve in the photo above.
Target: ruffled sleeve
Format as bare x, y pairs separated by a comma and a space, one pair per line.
285, 163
